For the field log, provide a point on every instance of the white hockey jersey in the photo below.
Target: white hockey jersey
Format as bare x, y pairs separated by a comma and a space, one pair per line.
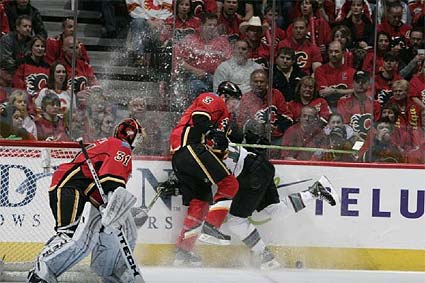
236, 159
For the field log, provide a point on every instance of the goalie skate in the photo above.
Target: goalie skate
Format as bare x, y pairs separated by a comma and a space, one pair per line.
185, 258
319, 191
212, 235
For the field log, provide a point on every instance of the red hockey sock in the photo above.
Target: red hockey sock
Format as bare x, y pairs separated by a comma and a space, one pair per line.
192, 224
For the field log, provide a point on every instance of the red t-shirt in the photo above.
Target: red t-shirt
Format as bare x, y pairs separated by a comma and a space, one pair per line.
417, 87
306, 53
320, 104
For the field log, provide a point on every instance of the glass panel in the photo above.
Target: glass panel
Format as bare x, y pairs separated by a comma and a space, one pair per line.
322, 58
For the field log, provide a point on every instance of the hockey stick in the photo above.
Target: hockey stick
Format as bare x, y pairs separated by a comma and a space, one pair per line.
294, 148
126, 252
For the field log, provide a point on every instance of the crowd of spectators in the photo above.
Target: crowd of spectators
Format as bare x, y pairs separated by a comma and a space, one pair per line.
310, 71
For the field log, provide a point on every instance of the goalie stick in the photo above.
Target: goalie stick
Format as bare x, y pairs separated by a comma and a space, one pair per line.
126, 252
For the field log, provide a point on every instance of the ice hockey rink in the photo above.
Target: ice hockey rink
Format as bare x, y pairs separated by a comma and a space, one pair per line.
225, 275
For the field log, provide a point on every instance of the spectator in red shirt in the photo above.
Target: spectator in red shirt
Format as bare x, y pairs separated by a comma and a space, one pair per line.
414, 54
4, 23
257, 104
306, 94
334, 79
280, 34
181, 23
417, 155
385, 77
359, 109
306, 133
318, 28
199, 55
358, 20
229, 20
253, 30
383, 46
32, 74
54, 46
50, 125
417, 88
417, 10
392, 23
342, 34
308, 54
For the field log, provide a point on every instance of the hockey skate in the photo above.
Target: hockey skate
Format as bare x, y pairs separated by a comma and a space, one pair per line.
266, 260
212, 235
319, 191
185, 258
33, 277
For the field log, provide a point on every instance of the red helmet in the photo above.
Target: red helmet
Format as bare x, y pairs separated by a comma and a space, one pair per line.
131, 131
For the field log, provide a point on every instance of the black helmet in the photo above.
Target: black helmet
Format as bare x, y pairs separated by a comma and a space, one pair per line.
229, 89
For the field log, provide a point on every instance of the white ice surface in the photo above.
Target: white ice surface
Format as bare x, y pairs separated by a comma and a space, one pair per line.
222, 275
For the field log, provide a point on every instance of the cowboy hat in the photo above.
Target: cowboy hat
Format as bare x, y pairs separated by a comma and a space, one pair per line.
253, 22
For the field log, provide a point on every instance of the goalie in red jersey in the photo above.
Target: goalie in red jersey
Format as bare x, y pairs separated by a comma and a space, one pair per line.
75, 201
198, 137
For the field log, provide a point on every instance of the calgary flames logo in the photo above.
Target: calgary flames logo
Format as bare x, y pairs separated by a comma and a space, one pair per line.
80, 83
302, 58
384, 95
35, 82
361, 123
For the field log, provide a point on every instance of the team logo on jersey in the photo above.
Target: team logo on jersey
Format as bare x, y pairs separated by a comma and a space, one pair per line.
384, 95
35, 82
361, 123
302, 58
80, 83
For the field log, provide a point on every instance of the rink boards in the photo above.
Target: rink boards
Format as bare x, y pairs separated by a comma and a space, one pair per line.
378, 224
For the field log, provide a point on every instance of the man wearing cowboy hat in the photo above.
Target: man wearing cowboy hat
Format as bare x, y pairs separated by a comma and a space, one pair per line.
253, 30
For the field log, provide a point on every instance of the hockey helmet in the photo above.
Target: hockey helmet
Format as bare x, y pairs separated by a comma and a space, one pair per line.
229, 89
131, 131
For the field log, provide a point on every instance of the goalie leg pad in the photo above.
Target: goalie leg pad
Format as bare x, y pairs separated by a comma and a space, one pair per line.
107, 260
63, 251
119, 203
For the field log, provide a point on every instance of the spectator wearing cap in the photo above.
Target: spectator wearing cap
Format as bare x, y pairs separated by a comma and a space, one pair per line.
199, 55
14, 45
392, 22
385, 78
371, 57
54, 45
306, 94
15, 9
238, 68
359, 109
286, 73
337, 140
253, 31
7, 69
50, 125
308, 54
306, 133
334, 79
4, 23
267, 107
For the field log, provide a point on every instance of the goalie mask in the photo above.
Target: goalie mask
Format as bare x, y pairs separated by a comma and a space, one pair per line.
131, 131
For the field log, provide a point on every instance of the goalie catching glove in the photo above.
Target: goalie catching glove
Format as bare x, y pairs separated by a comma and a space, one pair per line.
170, 187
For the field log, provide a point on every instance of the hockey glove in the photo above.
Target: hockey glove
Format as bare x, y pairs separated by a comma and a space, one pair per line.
169, 187
218, 139
283, 122
262, 116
